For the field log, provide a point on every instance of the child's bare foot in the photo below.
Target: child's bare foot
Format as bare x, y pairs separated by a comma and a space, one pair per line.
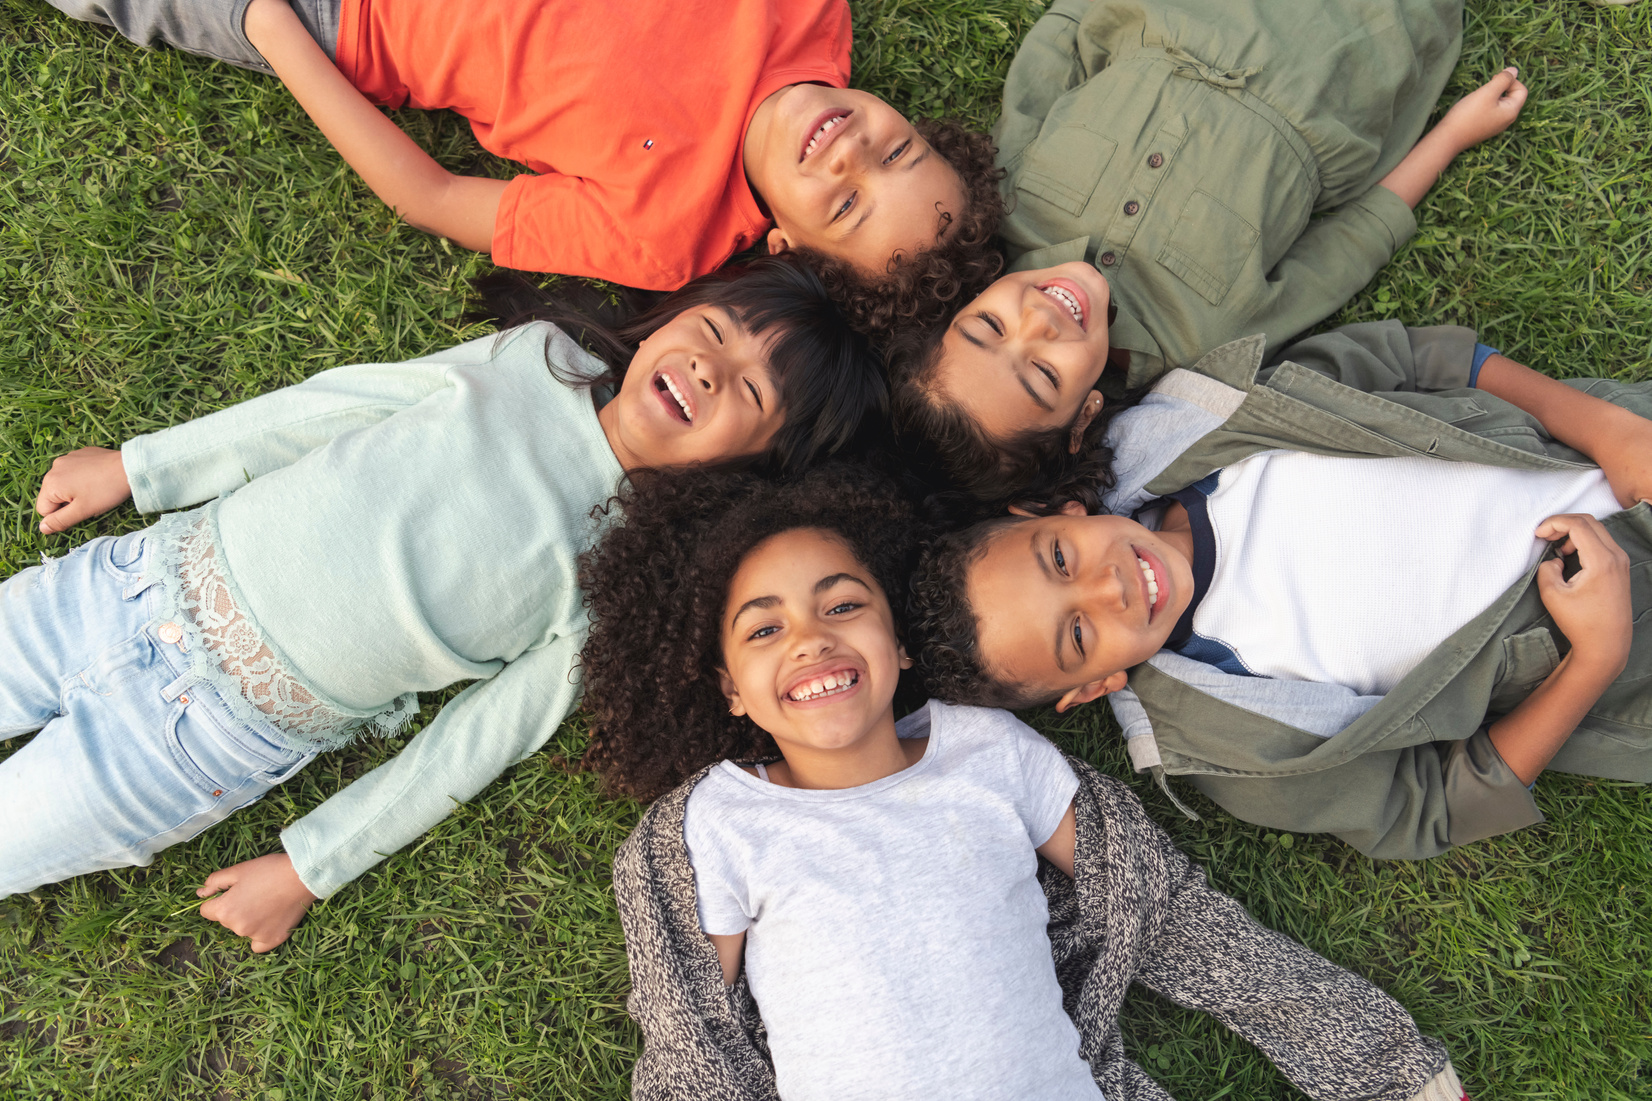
1485, 112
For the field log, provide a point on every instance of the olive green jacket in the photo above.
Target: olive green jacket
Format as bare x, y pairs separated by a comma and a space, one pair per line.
1415, 774
1183, 147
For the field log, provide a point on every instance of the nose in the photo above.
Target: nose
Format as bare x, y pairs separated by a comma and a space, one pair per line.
704, 370
1038, 317
848, 152
1107, 588
812, 642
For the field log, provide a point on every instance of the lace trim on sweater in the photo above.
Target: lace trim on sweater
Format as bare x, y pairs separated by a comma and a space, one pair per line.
228, 651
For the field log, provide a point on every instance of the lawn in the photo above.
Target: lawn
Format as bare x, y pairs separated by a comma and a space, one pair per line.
175, 237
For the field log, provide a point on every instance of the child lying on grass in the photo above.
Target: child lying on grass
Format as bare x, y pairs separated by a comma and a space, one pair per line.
1334, 611
663, 137
1185, 147
373, 532
862, 912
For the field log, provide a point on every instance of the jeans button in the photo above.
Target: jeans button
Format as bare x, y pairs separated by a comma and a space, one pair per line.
170, 633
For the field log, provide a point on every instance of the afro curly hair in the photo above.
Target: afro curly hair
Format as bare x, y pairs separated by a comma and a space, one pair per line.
926, 287
656, 586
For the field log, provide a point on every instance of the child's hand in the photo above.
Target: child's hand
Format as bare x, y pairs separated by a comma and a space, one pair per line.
80, 485
263, 899
1592, 609
1485, 112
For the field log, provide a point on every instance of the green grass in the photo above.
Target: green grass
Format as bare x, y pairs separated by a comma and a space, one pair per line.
175, 237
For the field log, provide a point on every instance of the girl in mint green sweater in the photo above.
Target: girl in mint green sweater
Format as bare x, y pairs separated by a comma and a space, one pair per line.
374, 532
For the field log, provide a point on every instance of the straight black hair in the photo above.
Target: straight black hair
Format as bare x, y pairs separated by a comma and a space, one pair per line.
831, 384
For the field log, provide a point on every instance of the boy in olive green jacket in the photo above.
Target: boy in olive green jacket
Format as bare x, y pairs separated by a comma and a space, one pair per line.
1340, 615
1182, 147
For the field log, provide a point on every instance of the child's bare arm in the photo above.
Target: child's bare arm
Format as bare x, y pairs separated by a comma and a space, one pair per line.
1058, 850
1483, 113
1619, 441
422, 192
80, 485
262, 899
730, 949
1592, 610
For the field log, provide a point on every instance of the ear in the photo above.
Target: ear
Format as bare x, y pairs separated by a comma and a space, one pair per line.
1096, 689
736, 706
905, 662
777, 242
1073, 508
1086, 414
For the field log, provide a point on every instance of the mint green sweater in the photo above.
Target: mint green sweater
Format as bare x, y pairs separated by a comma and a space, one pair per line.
396, 528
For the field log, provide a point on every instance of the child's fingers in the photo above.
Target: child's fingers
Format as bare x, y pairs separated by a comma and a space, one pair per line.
220, 880
62, 517
1551, 577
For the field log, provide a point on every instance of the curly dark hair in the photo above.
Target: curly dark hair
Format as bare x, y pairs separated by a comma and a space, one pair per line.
922, 288
945, 627
1035, 469
656, 586
831, 383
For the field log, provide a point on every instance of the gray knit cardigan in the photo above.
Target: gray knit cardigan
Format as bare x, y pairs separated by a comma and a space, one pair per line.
1138, 911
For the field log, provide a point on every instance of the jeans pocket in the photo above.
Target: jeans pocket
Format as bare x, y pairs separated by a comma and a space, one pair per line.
219, 757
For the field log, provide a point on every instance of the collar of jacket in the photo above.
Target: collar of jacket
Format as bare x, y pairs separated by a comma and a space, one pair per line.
1300, 410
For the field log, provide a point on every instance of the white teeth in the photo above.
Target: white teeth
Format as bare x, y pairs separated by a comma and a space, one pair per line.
825, 128
829, 685
1066, 298
678, 394
1152, 581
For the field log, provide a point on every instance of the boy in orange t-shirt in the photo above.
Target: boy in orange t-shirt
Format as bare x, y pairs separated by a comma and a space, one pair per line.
663, 137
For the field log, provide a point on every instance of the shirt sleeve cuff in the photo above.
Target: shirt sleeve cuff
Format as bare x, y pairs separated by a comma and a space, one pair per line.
1444, 1086
146, 495
1482, 794
1389, 209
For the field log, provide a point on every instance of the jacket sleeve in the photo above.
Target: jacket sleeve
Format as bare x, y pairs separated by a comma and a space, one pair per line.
1334, 258
1385, 357
483, 730
200, 459
1046, 67
699, 1036
1401, 804
1337, 1037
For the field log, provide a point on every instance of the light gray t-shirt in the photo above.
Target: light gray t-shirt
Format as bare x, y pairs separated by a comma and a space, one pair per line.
896, 936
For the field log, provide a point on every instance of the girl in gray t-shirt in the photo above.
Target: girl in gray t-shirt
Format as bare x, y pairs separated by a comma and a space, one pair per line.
877, 883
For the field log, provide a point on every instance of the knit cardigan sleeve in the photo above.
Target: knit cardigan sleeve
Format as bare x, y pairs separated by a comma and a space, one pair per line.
1153, 916
702, 1040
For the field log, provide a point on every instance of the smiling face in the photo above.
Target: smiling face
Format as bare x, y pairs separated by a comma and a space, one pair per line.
699, 389
809, 646
846, 174
1064, 604
1027, 352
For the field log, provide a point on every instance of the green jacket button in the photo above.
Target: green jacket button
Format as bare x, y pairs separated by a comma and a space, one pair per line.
1107, 259
1131, 207
1155, 160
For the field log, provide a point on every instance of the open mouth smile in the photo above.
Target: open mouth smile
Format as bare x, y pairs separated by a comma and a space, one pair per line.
1072, 297
825, 128
675, 401
1149, 583
821, 687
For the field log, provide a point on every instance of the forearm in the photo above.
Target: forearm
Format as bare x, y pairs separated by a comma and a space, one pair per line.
1578, 420
1529, 736
407, 178
1421, 168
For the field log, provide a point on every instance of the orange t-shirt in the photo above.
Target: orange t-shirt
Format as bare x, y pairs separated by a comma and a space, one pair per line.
632, 112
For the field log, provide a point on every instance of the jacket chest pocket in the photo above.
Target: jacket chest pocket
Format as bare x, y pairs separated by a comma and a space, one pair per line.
1209, 247
1064, 166
1528, 658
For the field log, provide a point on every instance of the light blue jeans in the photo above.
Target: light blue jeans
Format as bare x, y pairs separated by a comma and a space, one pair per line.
133, 752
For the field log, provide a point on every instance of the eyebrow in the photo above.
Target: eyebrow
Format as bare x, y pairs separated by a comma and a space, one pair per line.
1021, 378
1044, 567
766, 602
734, 319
